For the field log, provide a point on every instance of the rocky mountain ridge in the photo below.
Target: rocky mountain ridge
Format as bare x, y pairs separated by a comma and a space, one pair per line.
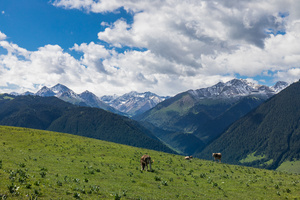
237, 88
134, 103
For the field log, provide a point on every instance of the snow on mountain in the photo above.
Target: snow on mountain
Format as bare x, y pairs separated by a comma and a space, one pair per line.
45, 92
62, 92
93, 101
134, 103
280, 85
84, 99
237, 88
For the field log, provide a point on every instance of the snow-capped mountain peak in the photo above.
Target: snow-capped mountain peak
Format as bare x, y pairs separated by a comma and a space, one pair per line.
133, 102
59, 89
237, 88
45, 92
280, 85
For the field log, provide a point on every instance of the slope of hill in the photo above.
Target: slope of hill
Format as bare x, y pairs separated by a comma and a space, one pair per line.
214, 127
38, 164
267, 137
51, 113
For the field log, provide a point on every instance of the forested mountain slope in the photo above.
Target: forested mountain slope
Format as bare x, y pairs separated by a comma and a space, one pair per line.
266, 137
51, 113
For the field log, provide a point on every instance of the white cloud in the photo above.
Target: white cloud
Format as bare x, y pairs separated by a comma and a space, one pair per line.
88, 5
2, 36
183, 45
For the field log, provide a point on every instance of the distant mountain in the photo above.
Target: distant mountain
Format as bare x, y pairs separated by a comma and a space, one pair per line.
129, 104
51, 113
266, 137
93, 101
237, 88
207, 112
134, 103
84, 99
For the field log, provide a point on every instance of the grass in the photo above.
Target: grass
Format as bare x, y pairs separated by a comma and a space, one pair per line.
290, 166
38, 164
251, 157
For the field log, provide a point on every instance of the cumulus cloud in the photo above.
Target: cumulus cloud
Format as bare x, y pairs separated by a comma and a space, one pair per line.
2, 36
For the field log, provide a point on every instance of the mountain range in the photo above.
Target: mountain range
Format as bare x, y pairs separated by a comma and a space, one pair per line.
205, 113
129, 104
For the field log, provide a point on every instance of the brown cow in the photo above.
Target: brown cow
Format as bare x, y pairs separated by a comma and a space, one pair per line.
217, 156
145, 160
188, 157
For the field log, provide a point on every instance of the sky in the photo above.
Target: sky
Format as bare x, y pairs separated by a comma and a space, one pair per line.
164, 46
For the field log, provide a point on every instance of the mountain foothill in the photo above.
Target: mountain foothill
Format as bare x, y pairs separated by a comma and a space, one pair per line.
250, 124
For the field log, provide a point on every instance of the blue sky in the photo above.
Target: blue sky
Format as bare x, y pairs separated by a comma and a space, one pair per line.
117, 46
35, 23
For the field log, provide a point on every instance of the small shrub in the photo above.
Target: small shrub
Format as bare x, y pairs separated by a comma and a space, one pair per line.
37, 183
3, 196
156, 178
202, 175
13, 189
44, 169
22, 165
76, 195
165, 183
43, 174
76, 180
116, 196
59, 183
130, 174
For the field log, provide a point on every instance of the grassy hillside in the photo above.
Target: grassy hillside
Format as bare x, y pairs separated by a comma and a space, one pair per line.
50, 165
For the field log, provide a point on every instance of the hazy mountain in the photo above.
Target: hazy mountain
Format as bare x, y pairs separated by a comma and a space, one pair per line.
265, 137
51, 113
134, 103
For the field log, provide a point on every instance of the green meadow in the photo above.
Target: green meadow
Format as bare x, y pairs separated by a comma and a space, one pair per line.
37, 164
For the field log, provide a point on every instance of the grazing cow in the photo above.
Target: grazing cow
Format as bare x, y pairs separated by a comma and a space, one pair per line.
217, 156
188, 157
145, 160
